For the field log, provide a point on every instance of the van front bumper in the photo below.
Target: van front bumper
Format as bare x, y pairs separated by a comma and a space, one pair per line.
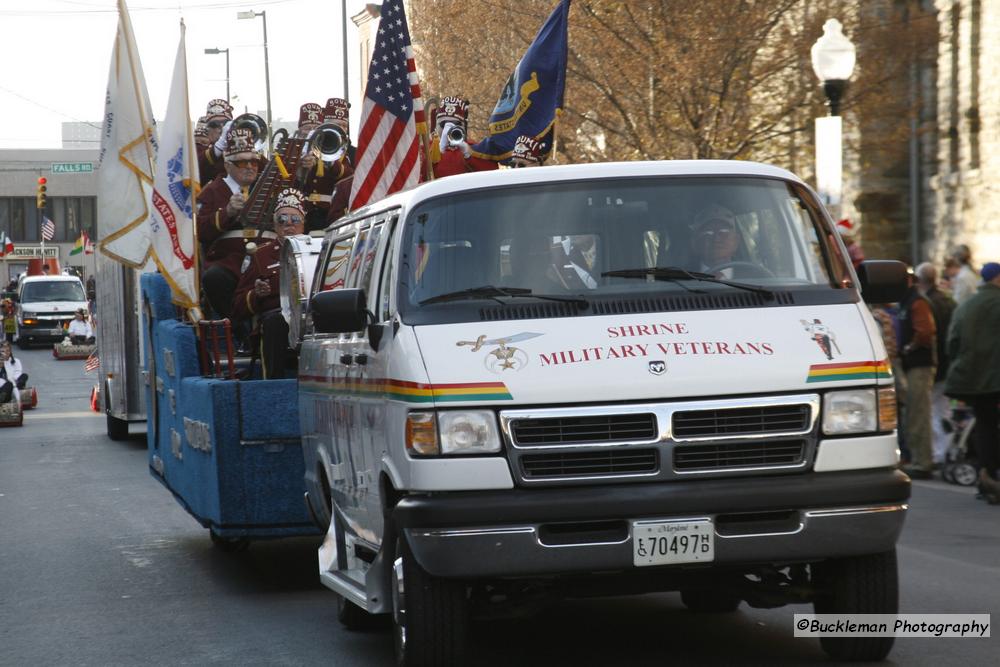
762, 520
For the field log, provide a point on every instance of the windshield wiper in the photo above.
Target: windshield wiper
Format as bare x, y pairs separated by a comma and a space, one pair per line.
677, 273
492, 292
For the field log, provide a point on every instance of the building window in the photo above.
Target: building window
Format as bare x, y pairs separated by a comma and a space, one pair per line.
5, 222
972, 114
955, 17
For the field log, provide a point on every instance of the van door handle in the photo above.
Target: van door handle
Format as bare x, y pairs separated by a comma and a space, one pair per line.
361, 359
346, 359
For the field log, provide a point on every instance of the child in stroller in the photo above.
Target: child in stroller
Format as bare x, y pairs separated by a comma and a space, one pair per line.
960, 465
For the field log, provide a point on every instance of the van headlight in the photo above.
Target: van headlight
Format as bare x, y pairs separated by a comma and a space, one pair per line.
451, 432
850, 411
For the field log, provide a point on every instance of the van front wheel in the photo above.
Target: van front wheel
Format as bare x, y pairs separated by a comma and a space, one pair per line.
857, 585
430, 615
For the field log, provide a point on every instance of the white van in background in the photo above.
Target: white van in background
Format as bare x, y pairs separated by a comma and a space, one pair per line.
599, 380
45, 306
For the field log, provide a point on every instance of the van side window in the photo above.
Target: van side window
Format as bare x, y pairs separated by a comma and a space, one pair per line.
335, 270
357, 256
388, 275
368, 260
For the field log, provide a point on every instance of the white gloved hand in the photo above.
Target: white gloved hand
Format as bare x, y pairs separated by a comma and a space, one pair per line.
220, 143
443, 144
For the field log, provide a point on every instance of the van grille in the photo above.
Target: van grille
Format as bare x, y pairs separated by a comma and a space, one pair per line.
739, 455
625, 461
583, 430
741, 421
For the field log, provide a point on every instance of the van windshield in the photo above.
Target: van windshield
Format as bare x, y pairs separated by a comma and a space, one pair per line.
61, 290
617, 238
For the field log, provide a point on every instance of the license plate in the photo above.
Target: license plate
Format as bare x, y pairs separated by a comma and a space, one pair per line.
671, 542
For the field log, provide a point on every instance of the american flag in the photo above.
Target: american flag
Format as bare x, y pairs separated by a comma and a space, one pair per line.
48, 229
392, 116
93, 362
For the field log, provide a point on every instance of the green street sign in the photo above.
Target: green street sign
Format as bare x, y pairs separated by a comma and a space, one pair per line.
72, 167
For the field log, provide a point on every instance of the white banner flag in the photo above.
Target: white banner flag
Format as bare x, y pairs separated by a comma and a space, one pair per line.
128, 150
171, 212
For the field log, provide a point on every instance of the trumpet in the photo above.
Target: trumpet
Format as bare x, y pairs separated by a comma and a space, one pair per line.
257, 126
456, 135
327, 142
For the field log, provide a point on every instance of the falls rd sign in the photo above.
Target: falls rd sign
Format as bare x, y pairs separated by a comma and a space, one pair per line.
72, 167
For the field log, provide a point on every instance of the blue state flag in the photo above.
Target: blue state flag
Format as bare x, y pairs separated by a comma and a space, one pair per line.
533, 94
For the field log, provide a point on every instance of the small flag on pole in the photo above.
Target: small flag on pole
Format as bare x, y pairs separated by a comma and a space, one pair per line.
81, 244
48, 229
6, 244
93, 362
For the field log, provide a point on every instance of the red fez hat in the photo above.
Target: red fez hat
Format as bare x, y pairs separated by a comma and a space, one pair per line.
528, 149
310, 112
336, 109
291, 198
451, 110
239, 140
201, 128
219, 108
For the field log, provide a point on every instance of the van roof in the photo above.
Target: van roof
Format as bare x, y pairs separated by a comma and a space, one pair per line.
573, 172
59, 277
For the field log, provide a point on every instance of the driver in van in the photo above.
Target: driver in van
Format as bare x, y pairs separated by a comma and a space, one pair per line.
258, 294
716, 241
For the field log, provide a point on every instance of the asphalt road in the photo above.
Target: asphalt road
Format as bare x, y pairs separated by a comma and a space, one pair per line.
100, 566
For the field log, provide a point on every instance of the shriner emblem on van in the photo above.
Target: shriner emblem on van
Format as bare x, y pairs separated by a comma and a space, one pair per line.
824, 337
504, 356
658, 367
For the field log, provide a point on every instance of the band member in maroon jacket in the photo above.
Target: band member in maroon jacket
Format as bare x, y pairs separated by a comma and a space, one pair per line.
451, 156
337, 111
258, 292
317, 179
219, 207
210, 158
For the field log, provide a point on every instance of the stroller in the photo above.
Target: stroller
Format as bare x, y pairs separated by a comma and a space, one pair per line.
960, 465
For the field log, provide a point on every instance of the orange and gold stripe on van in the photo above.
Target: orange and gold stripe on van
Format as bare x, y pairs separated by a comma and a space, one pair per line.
411, 392
849, 370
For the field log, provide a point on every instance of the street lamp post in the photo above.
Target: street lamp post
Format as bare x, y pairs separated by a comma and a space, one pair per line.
267, 72
833, 58
215, 52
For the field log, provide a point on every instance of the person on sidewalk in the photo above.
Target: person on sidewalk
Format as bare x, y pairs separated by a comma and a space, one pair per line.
974, 373
918, 354
942, 306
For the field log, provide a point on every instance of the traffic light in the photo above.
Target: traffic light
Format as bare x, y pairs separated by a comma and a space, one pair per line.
40, 196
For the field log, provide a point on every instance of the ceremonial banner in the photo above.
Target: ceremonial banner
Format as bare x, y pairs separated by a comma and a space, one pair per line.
6, 244
388, 155
171, 211
81, 244
128, 150
533, 94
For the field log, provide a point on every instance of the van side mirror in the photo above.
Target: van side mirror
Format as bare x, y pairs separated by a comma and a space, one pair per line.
339, 311
882, 280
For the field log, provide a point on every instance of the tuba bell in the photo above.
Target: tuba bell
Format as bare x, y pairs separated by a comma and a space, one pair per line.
258, 127
327, 142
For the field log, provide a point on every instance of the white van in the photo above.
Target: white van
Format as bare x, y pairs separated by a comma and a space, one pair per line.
599, 379
45, 306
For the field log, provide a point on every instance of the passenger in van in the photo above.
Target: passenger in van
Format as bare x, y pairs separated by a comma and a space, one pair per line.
258, 294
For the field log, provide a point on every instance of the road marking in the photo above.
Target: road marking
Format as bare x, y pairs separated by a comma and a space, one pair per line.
32, 416
944, 486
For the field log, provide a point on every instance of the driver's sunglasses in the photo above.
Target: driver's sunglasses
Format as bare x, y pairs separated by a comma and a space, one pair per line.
722, 233
244, 164
289, 220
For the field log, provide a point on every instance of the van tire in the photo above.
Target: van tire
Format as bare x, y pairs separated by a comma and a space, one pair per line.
710, 602
430, 615
117, 428
857, 585
356, 619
